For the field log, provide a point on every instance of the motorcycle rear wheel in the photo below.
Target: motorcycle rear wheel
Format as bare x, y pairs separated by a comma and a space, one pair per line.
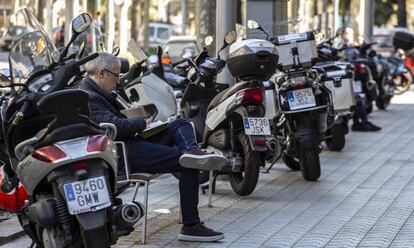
244, 183
309, 158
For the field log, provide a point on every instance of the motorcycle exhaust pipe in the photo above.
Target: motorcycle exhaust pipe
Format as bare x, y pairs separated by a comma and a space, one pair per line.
127, 215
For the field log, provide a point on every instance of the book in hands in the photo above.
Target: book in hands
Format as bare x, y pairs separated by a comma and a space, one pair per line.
154, 128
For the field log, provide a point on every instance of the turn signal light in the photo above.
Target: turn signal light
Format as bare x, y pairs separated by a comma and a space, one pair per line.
97, 143
165, 60
48, 154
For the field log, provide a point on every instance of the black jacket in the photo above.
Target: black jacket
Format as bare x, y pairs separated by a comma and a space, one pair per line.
103, 108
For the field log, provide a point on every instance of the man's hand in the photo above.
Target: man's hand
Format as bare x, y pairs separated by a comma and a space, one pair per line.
149, 120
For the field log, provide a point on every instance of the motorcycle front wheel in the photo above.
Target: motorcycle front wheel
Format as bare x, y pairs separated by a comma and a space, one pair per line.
244, 182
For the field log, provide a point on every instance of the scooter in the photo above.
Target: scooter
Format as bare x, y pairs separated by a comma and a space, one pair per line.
230, 121
67, 165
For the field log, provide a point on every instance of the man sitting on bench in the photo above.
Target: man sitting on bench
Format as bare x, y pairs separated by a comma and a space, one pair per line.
173, 150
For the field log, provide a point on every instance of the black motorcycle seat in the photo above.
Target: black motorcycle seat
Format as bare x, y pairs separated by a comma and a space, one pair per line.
223, 95
68, 124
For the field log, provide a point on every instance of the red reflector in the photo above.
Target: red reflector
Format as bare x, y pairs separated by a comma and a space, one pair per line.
298, 87
79, 165
260, 142
48, 154
251, 94
97, 143
360, 68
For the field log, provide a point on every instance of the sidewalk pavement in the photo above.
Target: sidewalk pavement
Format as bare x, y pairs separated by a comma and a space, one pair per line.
365, 197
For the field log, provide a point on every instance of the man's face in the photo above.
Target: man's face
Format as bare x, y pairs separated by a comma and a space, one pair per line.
108, 78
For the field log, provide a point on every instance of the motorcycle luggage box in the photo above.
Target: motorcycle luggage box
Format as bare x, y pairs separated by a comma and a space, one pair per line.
343, 97
252, 59
403, 40
302, 43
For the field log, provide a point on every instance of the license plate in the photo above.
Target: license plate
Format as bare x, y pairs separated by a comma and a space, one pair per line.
87, 196
357, 86
256, 126
300, 99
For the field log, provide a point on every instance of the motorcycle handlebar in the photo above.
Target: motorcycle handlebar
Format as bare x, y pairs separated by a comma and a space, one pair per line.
87, 59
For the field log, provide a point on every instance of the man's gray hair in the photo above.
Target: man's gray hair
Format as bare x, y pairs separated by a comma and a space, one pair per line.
103, 61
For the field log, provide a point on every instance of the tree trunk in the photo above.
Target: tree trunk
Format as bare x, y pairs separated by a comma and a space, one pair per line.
135, 18
205, 12
402, 13
41, 4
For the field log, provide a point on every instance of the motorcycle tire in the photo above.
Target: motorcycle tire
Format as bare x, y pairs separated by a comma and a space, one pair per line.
336, 142
244, 183
290, 162
384, 99
202, 177
309, 158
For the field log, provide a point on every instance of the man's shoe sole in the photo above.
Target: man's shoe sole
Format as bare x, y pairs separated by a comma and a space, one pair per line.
191, 238
207, 162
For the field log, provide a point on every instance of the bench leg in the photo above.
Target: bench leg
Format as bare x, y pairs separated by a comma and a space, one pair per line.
144, 223
210, 189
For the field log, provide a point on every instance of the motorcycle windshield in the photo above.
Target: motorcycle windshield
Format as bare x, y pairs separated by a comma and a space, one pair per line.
33, 51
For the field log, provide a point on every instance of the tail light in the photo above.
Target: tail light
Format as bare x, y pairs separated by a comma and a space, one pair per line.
250, 94
360, 68
49, 154
97, 143
79, 165
298, 87
165, 60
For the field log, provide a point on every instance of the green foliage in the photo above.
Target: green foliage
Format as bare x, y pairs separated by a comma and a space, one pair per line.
383, 11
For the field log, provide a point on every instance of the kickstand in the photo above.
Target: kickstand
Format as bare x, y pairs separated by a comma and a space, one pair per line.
270, 167
32, 245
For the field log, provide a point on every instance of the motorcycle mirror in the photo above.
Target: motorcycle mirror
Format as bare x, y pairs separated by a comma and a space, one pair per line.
252, 24
153, 59
319, 36
208, 40
81, 23
230, 37
115, 51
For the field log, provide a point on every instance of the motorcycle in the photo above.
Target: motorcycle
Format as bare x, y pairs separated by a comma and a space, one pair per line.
229, 120
66, 164
300, 117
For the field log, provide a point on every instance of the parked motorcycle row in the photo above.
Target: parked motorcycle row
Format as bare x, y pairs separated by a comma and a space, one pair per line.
291, 94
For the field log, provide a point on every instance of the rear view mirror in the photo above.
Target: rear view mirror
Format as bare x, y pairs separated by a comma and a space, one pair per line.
81, 23
230, 37
115, 51
251, 24
208, 40
153, 59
